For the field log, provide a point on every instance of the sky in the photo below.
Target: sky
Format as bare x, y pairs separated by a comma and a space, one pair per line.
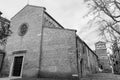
69, 13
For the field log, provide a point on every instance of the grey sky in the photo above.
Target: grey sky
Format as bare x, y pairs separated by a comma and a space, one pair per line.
68, 13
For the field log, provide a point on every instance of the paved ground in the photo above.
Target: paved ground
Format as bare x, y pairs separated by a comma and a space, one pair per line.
4, 79
33, 79
98, 76
102, 76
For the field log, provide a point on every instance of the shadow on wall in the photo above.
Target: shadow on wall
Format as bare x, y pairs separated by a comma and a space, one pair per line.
5, 68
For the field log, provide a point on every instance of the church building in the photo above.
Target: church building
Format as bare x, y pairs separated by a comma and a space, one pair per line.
40, 47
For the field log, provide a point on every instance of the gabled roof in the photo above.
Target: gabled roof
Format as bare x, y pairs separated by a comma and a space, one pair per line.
26, 7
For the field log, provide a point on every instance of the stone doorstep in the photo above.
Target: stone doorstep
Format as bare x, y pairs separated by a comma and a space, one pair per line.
4, 78
8, 78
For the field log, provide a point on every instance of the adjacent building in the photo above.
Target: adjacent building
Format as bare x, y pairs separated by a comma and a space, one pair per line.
101, 51
4, 31
115, 58
87, 59
40, 47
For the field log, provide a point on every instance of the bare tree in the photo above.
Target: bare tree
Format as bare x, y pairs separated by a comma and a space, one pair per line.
4, 31
107, 14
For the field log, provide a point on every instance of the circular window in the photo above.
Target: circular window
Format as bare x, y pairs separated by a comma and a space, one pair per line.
23, 29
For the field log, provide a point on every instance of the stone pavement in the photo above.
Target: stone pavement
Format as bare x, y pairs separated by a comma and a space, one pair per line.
98, 76
4, 78
35, 79
102, 76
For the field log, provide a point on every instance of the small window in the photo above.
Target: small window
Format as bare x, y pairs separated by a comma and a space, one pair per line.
101, 67
116, 62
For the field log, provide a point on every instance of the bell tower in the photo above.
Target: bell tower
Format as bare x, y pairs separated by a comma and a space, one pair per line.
100, 48
101, 51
